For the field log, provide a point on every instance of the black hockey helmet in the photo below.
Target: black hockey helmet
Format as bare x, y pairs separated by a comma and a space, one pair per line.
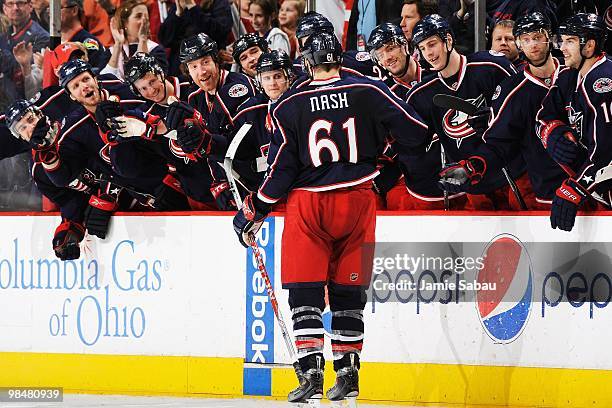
18, 110
273, 60
138, 66
531, 22
15, 111
71, 70
585, 26
312, 23
383, 34
247, 41
433, 24
197, 46
322, 48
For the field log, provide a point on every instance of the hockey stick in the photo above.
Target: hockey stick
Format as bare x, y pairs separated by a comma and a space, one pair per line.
456, 103
229, 158
277, 313
443, 158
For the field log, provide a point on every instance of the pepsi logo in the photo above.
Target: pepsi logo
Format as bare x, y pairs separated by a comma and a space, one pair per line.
504, 311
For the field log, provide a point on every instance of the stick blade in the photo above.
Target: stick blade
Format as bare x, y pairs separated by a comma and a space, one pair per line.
454, 102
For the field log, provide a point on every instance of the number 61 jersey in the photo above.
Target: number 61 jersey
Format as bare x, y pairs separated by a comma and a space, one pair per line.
329, 133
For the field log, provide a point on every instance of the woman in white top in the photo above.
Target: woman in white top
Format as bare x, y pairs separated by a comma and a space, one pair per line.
263, 13
130, 29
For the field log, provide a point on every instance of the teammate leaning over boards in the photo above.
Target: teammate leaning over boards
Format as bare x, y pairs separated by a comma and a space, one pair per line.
330, 131
274, 76
473, 78
216, 95
512, 130
146, 78
578, 112
406, 182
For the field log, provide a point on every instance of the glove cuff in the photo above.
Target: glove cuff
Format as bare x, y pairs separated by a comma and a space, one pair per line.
68, 225
254, 209
173, 183
548, 129
477, 167
217, 188
102, 204
571, 191
153, 122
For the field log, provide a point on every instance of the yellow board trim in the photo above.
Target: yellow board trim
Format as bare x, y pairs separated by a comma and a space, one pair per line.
422, 384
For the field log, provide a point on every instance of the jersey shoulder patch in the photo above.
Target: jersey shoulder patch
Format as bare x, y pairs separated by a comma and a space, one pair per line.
602, 85
238, 90
362, 56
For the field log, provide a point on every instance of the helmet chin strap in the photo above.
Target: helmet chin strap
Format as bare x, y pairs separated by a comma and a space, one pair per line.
448, 54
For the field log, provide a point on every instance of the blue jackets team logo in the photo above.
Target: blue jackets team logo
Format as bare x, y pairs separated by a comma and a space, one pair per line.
504, 311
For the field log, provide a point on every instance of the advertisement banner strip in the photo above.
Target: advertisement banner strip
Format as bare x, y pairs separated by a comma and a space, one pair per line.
259, 328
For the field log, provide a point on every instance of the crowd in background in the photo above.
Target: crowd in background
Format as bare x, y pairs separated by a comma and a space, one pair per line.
108, 32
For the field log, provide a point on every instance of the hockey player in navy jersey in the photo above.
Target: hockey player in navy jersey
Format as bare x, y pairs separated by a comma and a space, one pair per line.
19, 126
512, 130
246, 52
86, 140
390, 49
330, 131
147, 79
356, 62
473, 78
274, 77
578, 112
214, 99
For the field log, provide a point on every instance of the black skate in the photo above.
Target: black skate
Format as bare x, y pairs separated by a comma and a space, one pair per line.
347, 384
311, 387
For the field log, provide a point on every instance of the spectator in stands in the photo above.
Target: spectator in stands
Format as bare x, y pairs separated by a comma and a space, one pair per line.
72, 30
187, 18
31, 65
365, 16
502, 40
22, 29
130, 28
241, 21
97, 15
263, 16
290, 12
413, 11
40, 13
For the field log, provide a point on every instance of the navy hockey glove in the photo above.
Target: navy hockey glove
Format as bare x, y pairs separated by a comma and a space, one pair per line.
479, 121
44, 144
568, 198
106, 114
249, 219
66, 240
191, 132
458, 177
223, 196
170, 196
560, 142
101, 208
